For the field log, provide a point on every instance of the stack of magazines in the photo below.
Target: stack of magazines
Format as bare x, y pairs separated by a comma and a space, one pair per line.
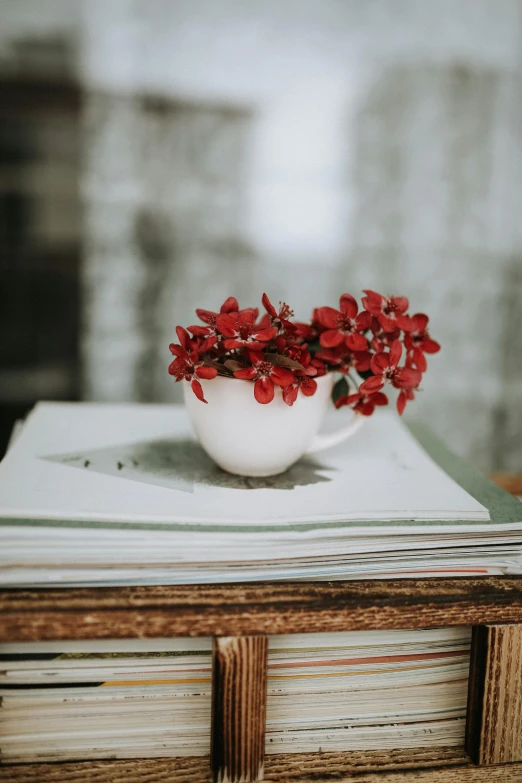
343, 691
97, 495
112, 494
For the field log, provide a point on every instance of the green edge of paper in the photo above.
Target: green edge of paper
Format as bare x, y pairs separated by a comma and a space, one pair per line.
503, 508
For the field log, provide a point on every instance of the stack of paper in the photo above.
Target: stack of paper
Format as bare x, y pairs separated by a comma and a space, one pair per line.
342, 691
123, 494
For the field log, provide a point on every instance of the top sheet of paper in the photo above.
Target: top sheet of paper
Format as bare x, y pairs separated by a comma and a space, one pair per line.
140, 465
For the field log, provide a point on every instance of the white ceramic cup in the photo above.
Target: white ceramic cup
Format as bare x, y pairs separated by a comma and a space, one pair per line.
249, 439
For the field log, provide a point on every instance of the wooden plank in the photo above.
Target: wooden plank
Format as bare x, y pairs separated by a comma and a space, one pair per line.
252, 609
494, 714
239, 671
511, 482
428, 765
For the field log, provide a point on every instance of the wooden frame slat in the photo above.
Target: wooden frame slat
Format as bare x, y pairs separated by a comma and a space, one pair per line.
425, 765
256, 609
494, 713
247, 610
239, 675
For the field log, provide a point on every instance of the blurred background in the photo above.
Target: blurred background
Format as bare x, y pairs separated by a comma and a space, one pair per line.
158, 155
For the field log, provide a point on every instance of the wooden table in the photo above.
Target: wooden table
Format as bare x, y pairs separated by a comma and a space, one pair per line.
240, 617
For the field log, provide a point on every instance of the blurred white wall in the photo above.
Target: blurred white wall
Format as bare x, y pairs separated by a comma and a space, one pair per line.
383, 150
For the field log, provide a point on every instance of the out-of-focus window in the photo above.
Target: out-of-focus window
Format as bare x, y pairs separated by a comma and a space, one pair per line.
40, 233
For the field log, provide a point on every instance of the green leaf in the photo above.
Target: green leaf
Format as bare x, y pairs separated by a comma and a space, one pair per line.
314, 346
283, 361
365, 374
340, 389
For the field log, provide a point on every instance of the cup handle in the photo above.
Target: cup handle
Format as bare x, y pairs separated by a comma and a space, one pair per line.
326, 441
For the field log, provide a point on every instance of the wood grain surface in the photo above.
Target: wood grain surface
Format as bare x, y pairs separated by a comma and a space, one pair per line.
428, 765
494, 714
239, 672
511, 482
252, 609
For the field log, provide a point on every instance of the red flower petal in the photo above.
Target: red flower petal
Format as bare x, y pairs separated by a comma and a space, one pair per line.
363, 321
290, 395
264, 390
256, 357
183, 336
227, 324
265, 334
264, 322
331, 338
282, 376
269, 307
198, 390
362, 361
230, 305
408, 377
248, 374
379, 363
405, 323
388, 324
366, 408
328, 317
341, 401
355, 341
348, 305
176, 350
373, 302
401, 303
310, 388
248, 315
401, 403
208, 343
379, 399
420, 360
395, 352
198, 331
372, 384
206, 372
231, 345
430, 346
206, 315
421, 322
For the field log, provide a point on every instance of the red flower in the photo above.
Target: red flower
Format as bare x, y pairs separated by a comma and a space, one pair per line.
299, 353
187, 363
363, 403
275, 351
240, 330
418, 342
265, 375
279, 318
405, 395
303, 382
230, 305
343, 325
304, 332
388, 310
344, 360
381, 339
385, 368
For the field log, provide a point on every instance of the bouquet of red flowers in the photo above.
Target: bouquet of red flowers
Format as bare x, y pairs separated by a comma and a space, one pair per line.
275, 351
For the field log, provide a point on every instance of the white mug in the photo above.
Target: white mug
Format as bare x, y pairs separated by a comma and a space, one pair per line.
249, 439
